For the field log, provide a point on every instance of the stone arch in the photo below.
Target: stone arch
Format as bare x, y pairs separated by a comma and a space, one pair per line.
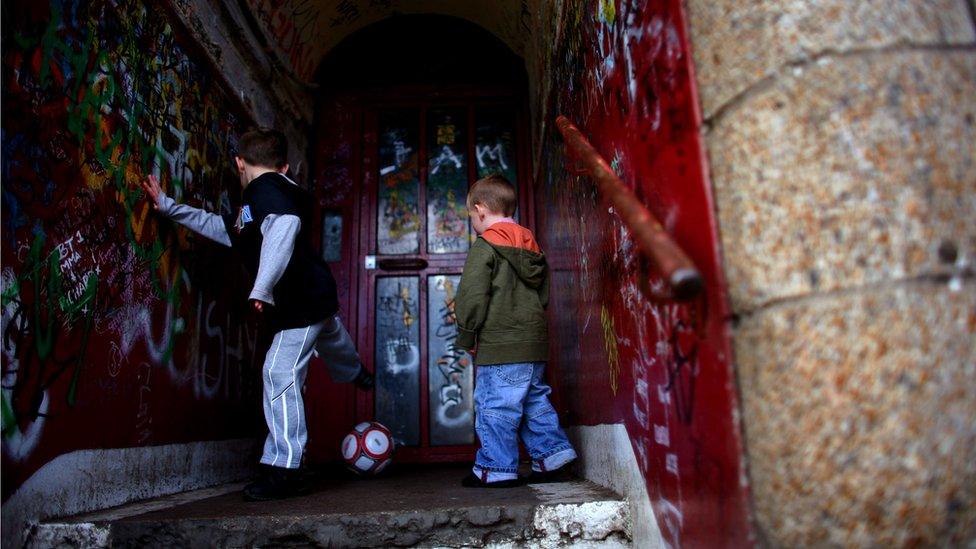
302, 32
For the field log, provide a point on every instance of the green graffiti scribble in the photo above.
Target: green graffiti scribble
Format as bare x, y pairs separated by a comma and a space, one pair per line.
9, 417
43, 337
51, 42
119, 130
115, 146
10, 293
50, 295
114, 80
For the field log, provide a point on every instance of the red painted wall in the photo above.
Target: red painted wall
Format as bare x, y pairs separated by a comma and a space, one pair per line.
118, 330
622, 72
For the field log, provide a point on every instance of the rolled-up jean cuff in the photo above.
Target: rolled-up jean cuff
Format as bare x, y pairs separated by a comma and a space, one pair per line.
488, 475
554, 460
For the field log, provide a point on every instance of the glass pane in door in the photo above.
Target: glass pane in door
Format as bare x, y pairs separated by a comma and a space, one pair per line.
332, 236
447, 181
398, 357
495, 142
398, 215
450, 372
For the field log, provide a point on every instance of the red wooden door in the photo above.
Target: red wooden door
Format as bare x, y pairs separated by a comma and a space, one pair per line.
419, 158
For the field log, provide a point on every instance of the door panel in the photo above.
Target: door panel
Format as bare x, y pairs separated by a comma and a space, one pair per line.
447, 181
331, 408
398, 218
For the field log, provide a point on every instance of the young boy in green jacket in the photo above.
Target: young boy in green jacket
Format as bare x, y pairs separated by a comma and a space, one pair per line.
500, 307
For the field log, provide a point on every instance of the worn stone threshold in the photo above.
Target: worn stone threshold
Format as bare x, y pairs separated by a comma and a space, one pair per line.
411, 506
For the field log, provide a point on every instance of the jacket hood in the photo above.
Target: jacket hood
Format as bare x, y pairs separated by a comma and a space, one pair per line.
517, 245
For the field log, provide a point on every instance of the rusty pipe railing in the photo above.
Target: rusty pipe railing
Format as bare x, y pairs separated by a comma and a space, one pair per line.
684, 282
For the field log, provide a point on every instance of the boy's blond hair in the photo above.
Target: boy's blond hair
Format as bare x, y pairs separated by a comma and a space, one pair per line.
495, 193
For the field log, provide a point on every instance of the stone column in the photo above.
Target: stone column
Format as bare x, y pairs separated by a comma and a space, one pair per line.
842, 144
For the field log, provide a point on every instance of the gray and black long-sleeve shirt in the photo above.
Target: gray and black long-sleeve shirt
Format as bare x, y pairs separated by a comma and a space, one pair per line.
268, 232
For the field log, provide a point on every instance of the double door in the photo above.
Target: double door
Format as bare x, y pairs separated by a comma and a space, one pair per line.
419, 159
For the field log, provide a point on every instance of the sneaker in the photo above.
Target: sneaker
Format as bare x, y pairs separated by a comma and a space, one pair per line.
277, 483
364, 380
561, 474
471, 481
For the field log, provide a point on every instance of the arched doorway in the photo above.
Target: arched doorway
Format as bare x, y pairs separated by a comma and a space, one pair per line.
410, 112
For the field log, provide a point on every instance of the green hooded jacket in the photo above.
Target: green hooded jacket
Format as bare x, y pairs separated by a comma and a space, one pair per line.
501, 300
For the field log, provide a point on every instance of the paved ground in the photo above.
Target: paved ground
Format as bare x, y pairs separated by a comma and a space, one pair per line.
423, 506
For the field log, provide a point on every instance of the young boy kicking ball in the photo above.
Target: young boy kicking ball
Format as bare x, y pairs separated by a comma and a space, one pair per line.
500, 307
293, 290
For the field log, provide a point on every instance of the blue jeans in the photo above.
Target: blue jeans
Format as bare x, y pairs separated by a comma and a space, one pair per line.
512, 401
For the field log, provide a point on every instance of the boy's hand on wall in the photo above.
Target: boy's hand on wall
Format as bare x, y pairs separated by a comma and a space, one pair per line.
153, 190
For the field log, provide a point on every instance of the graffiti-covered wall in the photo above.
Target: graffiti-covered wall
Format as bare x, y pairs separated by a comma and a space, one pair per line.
621, 71
118, 329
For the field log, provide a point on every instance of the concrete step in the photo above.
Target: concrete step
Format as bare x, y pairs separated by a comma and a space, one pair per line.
411, 506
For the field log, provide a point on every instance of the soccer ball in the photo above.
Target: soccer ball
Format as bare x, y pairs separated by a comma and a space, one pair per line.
368, 449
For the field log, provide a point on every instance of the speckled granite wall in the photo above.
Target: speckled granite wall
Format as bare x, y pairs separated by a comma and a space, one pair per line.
842, 146
738, 43
859, 412
850, 171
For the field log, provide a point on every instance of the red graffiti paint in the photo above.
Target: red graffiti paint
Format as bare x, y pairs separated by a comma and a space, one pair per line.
117, 330
664, 370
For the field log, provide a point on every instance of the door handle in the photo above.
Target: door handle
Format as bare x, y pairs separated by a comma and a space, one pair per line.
403, 264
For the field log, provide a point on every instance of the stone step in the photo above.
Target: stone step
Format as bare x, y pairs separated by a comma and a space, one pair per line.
411, 506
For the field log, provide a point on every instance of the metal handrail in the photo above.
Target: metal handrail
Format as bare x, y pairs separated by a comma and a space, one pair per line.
684, 282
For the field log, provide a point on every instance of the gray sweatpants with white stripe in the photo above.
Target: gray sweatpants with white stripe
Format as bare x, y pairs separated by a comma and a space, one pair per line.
284, 373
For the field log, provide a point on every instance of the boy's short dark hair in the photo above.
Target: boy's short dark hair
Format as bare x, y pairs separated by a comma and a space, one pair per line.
264, 147
495, 193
